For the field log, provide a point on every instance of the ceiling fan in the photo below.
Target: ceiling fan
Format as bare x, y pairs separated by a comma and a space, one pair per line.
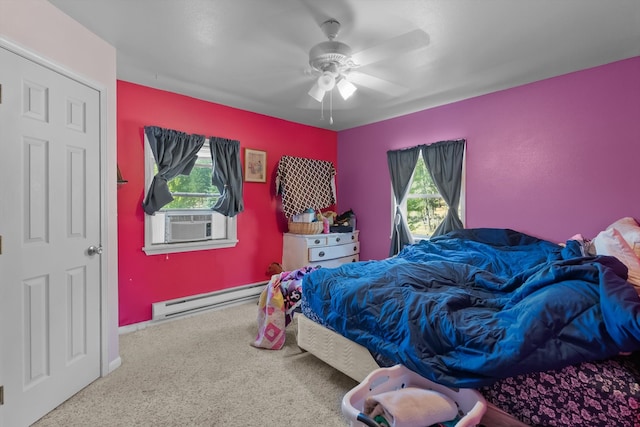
334, 64
332, 60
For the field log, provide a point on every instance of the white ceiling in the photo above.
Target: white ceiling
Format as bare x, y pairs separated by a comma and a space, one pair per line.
253, 54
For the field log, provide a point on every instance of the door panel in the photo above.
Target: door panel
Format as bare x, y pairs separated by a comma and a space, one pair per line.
49, 216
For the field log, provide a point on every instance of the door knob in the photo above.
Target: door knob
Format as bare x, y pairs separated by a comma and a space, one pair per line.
94, 250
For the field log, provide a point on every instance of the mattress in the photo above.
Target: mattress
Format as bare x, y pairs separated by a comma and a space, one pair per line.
355, 361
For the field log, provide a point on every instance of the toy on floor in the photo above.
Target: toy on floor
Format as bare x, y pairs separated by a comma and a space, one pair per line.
274, 268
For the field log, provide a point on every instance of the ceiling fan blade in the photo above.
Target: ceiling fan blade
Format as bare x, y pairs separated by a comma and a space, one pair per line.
396, 46
376, 83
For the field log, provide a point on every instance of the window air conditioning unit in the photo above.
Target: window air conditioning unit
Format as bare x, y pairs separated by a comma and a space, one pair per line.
183, 226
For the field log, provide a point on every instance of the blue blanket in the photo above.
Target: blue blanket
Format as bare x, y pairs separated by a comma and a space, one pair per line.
474, 306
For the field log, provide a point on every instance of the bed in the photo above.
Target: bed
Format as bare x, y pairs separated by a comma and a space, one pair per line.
548, 333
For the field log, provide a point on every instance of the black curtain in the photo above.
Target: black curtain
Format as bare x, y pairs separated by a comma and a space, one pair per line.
227, 175
444, 163
175, 154
401, 166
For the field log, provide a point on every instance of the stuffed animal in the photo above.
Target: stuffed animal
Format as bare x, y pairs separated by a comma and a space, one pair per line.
274, 268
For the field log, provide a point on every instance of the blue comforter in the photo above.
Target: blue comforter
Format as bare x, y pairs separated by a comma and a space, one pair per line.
474, 306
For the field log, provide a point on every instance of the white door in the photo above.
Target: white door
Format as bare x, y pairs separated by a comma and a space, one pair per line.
49, 217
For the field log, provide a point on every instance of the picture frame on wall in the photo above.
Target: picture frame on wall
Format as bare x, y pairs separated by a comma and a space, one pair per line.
255, 165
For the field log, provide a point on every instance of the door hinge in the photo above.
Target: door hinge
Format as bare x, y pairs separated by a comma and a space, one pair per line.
1, 395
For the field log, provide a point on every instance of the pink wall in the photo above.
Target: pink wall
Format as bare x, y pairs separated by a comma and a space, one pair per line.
146, 279
551, 158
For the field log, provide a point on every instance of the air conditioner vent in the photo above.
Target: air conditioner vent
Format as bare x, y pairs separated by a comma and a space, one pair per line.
185, 227
189, 218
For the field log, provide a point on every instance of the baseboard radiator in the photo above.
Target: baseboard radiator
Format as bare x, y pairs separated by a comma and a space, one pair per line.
192, 304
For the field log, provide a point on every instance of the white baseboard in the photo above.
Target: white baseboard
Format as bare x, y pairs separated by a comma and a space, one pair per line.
115, 364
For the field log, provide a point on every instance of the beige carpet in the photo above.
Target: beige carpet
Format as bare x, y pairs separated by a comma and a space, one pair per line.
202, 371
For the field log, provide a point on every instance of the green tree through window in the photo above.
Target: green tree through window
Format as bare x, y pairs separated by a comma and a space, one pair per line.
425, 207
194, 191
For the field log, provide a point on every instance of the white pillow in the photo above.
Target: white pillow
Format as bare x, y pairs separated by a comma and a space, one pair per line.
610, 242
630, 231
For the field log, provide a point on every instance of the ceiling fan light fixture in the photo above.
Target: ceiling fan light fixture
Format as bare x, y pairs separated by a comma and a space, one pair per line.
316, 92
326, 81
346, 88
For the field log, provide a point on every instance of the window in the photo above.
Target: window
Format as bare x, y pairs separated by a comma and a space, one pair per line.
194, 191
188, 223
424, 208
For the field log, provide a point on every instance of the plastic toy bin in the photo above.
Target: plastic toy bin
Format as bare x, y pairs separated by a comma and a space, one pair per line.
471, 404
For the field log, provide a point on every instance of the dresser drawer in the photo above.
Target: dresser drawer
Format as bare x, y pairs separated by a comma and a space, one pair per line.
336, 262
341, 238
331, 252
316, 241
332, 249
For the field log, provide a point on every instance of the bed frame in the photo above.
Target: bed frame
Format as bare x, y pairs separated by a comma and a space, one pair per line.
355, 361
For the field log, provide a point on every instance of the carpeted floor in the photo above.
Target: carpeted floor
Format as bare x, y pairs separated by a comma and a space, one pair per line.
202, 371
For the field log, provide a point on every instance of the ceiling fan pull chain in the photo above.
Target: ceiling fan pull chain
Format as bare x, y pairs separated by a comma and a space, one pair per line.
331, 107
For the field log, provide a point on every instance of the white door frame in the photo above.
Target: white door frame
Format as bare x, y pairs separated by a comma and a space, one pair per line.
104, 241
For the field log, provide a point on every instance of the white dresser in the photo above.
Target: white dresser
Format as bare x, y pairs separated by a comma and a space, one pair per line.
326, 250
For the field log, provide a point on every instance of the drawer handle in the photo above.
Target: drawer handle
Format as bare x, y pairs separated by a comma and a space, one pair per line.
317, 242
353, 237
355, 248
337, 239
353, 260
321, 253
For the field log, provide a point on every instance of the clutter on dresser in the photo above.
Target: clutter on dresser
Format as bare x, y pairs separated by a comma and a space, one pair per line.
305, 227
330, 216
307, 222
309, 215
344, 223
311, 222
316, 222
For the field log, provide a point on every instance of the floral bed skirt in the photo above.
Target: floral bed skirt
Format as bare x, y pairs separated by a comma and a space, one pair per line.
605, 393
